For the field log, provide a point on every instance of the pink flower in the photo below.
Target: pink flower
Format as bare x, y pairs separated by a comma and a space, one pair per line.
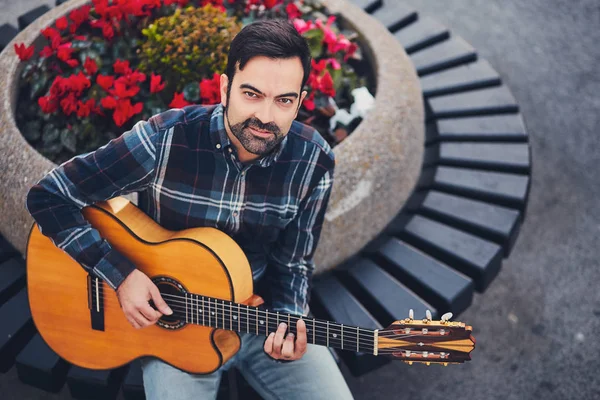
302, 25
293, 11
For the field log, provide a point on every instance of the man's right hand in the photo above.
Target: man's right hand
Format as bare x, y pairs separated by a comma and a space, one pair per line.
134, 293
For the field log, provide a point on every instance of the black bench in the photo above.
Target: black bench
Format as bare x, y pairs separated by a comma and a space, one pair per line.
447, 242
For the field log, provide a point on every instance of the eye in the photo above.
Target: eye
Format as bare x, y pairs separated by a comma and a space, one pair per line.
251, 94
289, 101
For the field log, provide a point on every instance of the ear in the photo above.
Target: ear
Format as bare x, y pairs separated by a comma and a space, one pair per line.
223, 88
302, 96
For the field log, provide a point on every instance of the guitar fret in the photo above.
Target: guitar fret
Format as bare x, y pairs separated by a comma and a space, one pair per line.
247, 319
239, 318
314, 341
357, 332
342, 334
327, 334
186, 308
257, 320
223, 306
203, 321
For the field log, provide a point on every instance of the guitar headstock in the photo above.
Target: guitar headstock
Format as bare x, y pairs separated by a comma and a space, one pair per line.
427, 341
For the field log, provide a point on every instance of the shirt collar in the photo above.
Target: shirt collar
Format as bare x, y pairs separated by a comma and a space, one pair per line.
221, 142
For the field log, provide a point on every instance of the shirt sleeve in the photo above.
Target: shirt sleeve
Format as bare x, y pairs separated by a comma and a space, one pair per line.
291, 258
125, 164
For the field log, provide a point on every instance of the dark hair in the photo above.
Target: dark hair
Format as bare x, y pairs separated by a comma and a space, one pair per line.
273, 38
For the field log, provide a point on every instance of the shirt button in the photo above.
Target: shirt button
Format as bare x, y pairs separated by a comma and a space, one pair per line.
230, 150
218, 146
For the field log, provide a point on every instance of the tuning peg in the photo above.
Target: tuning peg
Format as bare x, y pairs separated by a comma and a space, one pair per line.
428, 315
410, 362
447, 316
411, 314
428, 363
445, 364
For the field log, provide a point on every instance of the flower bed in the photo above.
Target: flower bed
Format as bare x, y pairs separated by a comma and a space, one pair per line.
104, 66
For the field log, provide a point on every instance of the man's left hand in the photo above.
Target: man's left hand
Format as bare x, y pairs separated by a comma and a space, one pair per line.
285, 349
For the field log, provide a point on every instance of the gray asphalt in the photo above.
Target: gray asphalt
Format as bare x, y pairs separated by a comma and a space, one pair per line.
535, 324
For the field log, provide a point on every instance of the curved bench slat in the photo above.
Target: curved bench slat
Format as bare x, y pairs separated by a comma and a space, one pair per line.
475, 75
368, 5
7, 251
7, 33
12, 278
495, 100
395, 16
501, 157
438, 284
469, 254
384, 296
502, 128
489, 221
422, 33
25, 19
133, 384
16, 329
447, 54
333, 301
505, 189
95, 384
39, 366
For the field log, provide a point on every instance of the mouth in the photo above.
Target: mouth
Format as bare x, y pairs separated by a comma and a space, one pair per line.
260, 133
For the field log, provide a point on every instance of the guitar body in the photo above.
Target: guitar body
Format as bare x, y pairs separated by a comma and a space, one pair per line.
202, 260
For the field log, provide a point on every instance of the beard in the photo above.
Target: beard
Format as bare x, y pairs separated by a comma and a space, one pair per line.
254, 144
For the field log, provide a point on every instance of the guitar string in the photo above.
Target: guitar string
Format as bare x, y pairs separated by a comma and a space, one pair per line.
230, 307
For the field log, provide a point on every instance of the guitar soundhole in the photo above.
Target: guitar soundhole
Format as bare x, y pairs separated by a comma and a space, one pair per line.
173, 293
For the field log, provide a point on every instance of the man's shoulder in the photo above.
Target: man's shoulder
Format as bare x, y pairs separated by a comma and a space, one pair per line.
183, 116
301, 133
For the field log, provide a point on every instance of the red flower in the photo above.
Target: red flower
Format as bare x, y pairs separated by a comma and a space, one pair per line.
50, 33
69, 104
85, 108
271, 3
80, 15
293, 11
73, 63
122, 67
105, 81
178, 101
46, 52
62, 23
326, 84
48, 104
59, 87
108, 31
109, 102
210, 90
64, 52
90, 66
78, 83
155, 84
24, 53
122, 91
125, 110
309, 102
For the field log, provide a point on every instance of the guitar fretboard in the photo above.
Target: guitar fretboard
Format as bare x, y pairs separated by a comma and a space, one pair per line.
223, 314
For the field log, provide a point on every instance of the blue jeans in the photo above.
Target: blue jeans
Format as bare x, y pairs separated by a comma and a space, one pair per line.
314, 376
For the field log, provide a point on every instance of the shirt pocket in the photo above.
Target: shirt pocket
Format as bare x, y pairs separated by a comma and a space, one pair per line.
264, 227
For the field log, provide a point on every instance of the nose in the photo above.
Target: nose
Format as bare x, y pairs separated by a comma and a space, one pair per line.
265, 113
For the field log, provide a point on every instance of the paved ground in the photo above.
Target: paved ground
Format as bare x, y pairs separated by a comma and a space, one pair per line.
535, 325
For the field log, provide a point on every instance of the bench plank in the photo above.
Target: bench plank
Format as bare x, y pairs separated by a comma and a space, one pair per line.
501, 157
495, 100
7, 34
501, 128
469, 254
446, 54
133, 384
510, 190
39, 366
395, 16
85, 383
331, 300
443, 287
16, 329
368, 5
422, 33
387, 298
25, 19
492, 222
7, 251
475, 75
12, 278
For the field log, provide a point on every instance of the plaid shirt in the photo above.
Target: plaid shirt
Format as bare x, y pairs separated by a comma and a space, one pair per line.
186, 173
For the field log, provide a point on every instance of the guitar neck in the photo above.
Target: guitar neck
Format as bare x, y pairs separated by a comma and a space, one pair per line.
223, 314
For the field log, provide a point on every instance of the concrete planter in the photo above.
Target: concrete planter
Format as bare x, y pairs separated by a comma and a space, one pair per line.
377, 166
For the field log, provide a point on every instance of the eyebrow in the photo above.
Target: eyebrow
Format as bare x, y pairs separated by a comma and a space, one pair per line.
248, 86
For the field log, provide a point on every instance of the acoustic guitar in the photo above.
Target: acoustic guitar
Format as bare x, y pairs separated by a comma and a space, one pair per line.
205, 278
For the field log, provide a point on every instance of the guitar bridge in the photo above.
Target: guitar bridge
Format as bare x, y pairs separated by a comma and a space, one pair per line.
96, 302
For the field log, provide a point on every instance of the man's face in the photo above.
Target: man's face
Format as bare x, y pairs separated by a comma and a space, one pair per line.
263, 102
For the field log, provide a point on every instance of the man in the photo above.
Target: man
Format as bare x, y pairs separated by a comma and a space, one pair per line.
244, 166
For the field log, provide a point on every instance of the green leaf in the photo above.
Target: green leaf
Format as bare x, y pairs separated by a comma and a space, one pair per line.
50, 134
32, 130
68, 139
191, 92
